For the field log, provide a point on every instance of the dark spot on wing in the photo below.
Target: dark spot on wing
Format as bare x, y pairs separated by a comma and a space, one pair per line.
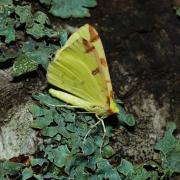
95, 71
108, 100
93, 34
108, 81
103, 61
88, 46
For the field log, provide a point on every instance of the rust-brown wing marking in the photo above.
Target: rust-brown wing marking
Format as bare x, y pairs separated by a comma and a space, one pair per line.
94, 38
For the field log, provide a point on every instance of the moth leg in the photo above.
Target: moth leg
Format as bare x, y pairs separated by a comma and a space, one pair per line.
104, 131
103, 125
94, 125
66, 106
81, 112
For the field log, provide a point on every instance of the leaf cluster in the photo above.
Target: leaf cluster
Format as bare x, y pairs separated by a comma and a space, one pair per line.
64, 155
28, 37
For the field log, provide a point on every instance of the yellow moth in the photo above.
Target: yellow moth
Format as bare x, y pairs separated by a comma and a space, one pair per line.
80, 71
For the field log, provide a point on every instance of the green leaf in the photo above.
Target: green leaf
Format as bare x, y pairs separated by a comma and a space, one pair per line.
63, 36
168, 142
68, 8
38, 111
82, 128
59, 156
38, 161
92, 161
80, 174
5, 2
41, 123
70, 117
38, 177
8, 53
50, 175
39, 30
22, 65
7, 29
46, 2
6, 23
41, 18
123, 117
27, 173
71, 128
57, 137
11, 168
172, 162
126, 168
88, 147
107, 151
139, 174
44, 117
50, 131
47, 99
99, 141
24, 13
106, 171
169, 148
76, 162
63, 131
36, 24
39, 51
74, 143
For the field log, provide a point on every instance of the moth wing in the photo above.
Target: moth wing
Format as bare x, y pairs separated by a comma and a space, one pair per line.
91, 35
80, 67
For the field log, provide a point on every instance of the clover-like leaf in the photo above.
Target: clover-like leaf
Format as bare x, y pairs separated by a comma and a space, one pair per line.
22, 65
10, 168
88, 146
38, 161
5, 2
126, 168
27, 173
9, 53
6, 22
125, 118
63, 37
41, 18
48, 100
107, 151
24, 14
50, 131
7, 29
41, 122
59, 156
169, 148
70, 8
77, 161
39, 51
38, 111
168, 142
106, 171
139, 174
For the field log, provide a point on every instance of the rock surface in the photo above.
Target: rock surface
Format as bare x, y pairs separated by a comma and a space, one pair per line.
16, 135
